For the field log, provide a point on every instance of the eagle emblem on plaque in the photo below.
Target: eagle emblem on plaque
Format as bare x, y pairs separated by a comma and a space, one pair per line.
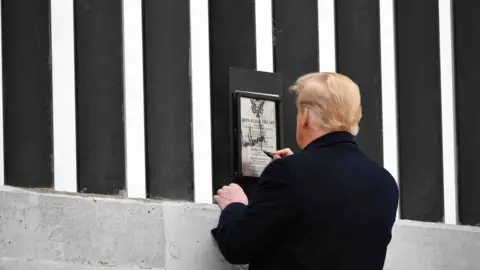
257, 106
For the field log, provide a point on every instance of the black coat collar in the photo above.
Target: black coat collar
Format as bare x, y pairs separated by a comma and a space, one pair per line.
332, 138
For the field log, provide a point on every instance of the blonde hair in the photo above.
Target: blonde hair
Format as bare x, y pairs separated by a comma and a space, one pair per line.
333, 101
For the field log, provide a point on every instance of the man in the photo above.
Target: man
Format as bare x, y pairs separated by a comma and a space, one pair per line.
326, 207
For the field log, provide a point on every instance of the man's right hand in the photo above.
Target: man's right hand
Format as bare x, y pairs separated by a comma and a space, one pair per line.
282, 153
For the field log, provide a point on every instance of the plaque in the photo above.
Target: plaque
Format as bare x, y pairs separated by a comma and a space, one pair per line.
258, 131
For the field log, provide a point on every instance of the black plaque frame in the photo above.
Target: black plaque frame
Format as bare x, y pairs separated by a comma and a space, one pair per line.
237, 95
224, 118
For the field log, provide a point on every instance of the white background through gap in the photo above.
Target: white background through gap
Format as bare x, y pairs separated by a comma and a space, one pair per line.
389, 89
326, 36
63, 91
2, 164
201, 115
134, 101
264, 35
448, 113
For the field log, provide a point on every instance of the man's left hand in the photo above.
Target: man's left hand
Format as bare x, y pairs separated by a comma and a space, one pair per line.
230, 194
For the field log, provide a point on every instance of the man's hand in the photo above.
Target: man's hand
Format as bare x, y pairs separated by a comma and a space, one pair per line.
282, 153
230, 194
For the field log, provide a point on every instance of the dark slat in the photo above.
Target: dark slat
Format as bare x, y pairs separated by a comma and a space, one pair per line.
27, 82
419, 110
232, 44
99, 79
358, 56
168, 99
295, 52
467, 58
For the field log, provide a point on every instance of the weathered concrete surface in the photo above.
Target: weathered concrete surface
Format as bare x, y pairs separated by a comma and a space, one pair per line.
80, 230
55, 231
430, 246
189, 244
20, 264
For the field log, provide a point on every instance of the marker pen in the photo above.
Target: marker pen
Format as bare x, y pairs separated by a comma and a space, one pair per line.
270, 154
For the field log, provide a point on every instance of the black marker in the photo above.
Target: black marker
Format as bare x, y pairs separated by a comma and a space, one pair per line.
269, 154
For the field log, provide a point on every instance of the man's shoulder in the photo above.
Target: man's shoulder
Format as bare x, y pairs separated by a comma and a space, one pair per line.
275, 167
291, 167
329, 160
280, 170
305, 158
288, 162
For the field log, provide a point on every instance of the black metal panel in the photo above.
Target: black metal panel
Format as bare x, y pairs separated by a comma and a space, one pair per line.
99, 79
253, 82
295, 52
232, 44
358, 56
467, 58
168, 99
27, 85
419, 110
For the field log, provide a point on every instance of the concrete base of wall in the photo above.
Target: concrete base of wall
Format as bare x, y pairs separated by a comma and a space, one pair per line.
433, 246
56, 231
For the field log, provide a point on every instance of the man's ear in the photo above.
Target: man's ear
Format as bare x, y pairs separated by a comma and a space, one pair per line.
305, 118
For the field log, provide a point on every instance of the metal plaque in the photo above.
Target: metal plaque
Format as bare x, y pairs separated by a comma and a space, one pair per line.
258, 133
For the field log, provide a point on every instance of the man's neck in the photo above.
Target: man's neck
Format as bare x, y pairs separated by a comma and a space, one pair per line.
312, 136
